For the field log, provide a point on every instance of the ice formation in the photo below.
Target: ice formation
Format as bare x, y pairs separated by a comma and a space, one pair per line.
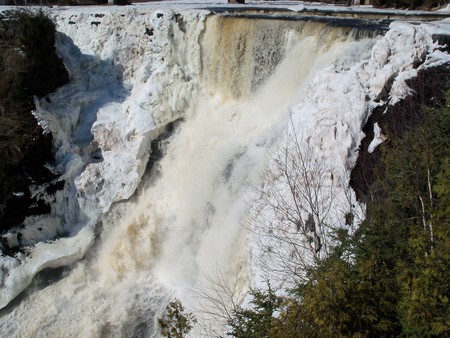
234, 88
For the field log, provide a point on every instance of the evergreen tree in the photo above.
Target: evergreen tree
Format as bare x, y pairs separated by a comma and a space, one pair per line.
326, 306
391, 278
258, 320
424, 303
176, 323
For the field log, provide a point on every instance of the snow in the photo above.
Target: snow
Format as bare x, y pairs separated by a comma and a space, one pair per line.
294, 6
328, 121
378, 138
105, 106
135, 69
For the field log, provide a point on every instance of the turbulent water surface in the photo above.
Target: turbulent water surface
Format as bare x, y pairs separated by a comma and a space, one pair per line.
164, 136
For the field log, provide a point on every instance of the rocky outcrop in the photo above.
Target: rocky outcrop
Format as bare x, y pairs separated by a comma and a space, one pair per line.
429, 88
29, 66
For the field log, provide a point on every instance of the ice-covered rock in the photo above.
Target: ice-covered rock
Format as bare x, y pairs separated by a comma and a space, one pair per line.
132, 72
130, 75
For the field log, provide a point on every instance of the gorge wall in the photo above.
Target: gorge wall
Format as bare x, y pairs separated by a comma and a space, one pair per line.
163, 137
28, 67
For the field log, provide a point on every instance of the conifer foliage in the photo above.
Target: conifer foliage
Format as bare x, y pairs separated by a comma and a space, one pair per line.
176, 323
255, 322
396, 282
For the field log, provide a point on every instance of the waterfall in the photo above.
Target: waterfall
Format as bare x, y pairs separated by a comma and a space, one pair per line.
163, 136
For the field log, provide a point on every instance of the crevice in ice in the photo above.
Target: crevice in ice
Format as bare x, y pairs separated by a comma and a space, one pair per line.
159, 146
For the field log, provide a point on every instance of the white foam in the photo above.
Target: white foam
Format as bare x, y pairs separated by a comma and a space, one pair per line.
132, 72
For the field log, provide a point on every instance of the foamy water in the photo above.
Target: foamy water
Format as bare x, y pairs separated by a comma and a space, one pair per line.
237, 84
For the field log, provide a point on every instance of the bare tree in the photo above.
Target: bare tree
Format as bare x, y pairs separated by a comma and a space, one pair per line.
292, 219
295, 208
217, 296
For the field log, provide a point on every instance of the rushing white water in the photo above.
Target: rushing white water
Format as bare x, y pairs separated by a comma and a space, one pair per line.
237, 84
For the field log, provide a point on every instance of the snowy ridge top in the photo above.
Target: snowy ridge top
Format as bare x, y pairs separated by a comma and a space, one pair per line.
222, 5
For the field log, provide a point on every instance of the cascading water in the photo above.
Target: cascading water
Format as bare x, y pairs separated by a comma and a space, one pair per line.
231, 87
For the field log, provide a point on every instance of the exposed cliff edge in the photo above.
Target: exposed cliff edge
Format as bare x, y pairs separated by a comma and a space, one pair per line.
429, 89
29, 66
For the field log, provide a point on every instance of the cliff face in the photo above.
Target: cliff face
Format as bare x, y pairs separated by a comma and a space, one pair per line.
29, 66
133, 72
429, 88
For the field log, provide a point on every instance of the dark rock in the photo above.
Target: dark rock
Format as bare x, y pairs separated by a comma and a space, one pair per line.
429, 87
121, 2
54, 187
149, 31
29, 66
